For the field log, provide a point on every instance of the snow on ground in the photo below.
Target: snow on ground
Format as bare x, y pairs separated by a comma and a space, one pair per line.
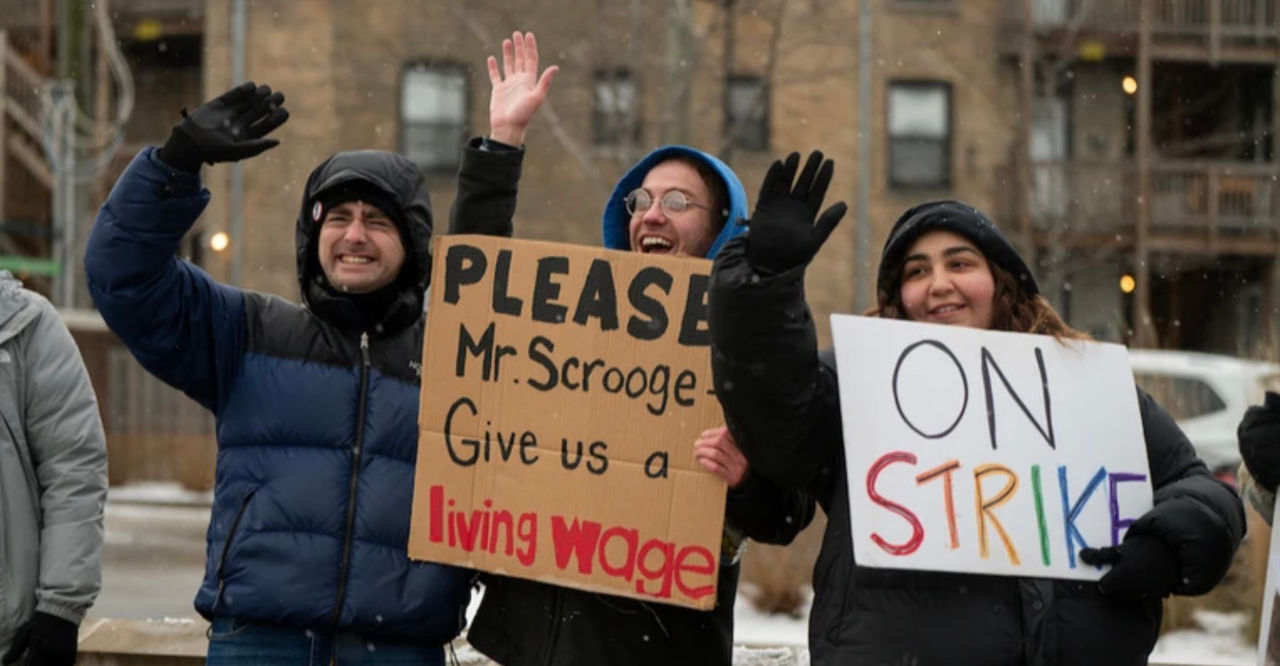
155, 557
159, 492
1218, 642
753, 628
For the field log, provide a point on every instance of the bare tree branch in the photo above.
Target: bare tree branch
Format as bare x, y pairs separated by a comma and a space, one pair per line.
731, 133
1054, 67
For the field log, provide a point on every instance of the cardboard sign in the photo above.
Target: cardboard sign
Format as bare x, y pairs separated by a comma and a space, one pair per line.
1269, 627
563, 388
986, 452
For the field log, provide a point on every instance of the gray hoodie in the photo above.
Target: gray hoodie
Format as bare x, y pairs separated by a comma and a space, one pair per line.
53, 466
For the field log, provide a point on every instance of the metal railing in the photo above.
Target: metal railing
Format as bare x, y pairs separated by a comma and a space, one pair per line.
1225, 198
27, 14
154, 432
1231, 20
20, 136
20, 87
1216, 196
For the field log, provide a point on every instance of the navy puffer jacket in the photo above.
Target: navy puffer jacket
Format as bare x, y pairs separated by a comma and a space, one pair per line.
316, 412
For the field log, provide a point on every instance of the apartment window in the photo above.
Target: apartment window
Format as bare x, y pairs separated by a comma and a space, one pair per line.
613, 112
433, 115
919, 134
747, 112
925, 6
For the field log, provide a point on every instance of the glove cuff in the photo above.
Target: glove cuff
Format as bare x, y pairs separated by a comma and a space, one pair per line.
180, 152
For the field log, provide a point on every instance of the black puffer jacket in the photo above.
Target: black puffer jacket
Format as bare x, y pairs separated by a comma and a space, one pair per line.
780, 396
526, 623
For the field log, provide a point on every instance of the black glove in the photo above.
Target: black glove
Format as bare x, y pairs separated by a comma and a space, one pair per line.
783, 233
1141, 566
1259, 435
226, 129
47, 640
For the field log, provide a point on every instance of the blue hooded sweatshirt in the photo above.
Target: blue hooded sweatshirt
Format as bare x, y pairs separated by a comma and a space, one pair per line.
616, 219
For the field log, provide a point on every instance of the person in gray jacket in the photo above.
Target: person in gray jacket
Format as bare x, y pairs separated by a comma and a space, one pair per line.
53, 483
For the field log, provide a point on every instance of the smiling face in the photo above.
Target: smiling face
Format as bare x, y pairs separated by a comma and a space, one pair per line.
360, 248
947, 280
691, 232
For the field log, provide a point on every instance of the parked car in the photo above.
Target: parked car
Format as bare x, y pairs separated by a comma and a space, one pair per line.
1207, 395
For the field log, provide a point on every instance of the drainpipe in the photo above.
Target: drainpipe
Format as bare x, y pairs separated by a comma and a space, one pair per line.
237, 168
862, 237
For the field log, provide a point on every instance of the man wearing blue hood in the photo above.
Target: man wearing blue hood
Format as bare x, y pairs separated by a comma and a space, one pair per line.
675, 201
316, 404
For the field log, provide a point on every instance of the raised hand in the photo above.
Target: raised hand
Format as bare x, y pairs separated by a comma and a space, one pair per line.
228, 128
1259, 436
518, 92
716, 451
1141, 566
783, 232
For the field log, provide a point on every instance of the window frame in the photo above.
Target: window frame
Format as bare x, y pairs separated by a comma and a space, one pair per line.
608, 128
948, 142
736, 138
464, 128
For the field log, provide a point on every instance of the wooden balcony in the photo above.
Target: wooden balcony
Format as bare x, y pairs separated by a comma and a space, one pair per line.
32, 14
1196, 207
1194, 30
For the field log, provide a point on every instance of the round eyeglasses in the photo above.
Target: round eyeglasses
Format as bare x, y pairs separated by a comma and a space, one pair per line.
673, 203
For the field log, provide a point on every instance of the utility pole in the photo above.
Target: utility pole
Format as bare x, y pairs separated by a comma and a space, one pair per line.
1026, 103
66, 202
236, 202
862, 239
680, 70
1144, 331
728, 60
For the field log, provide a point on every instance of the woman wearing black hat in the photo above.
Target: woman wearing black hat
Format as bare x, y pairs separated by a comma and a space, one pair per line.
944, 262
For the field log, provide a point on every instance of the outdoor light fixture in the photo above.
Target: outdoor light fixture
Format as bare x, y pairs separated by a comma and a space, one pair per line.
1129, 84
1127, 283
219, 241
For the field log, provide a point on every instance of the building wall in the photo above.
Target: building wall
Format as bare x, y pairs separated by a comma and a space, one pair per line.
342, 81
340, 63
1098, 120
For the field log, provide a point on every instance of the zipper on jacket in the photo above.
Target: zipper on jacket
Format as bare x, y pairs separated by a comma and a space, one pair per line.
355, 480
226, 547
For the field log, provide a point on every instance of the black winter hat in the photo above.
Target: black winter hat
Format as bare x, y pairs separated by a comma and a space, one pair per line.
358, 190
960, 218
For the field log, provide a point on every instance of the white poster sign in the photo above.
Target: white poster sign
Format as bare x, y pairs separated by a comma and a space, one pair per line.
1268, 631
984, 451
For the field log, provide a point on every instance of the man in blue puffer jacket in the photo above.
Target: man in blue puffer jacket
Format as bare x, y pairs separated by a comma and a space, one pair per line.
316, 404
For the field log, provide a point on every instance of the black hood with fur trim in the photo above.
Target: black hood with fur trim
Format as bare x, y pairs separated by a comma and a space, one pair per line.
404, 186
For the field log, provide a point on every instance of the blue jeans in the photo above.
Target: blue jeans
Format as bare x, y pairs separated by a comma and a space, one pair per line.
238, 643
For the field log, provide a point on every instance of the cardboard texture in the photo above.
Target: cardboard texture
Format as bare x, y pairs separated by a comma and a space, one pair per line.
985, 451
1269, 622
563, 388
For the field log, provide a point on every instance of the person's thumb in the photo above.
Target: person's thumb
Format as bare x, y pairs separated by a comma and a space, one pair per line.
544, 82
256, 146
827, 223
1100, 556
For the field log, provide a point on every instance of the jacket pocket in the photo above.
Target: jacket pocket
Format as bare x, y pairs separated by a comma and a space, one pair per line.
226, 627
226, 548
